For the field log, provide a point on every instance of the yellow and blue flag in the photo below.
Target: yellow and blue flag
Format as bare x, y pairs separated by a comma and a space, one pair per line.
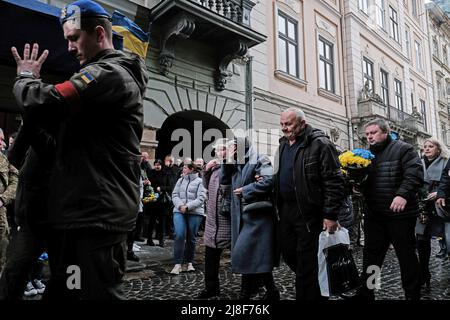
134, 38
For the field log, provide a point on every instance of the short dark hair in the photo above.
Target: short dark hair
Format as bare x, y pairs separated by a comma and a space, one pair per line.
192, 166
89, 24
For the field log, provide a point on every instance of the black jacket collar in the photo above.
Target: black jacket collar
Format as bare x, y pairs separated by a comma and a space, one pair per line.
378, 147
99, 56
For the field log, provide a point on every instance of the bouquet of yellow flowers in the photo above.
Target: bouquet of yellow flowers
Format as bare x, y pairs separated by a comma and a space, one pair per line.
355, 164
149, 195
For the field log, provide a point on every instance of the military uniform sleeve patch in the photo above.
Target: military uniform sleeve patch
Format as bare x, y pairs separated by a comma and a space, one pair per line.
87, 77
84, 80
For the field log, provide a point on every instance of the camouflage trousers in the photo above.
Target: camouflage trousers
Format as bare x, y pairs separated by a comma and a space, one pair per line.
4, 237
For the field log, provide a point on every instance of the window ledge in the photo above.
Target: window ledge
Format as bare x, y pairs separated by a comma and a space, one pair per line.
329, 95
291, 79
442, 103
437, 58
384, 30
395, 41
447, 67
363, 12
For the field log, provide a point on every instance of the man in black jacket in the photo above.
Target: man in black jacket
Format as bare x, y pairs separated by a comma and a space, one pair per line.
391, 195
94, 185
170, 175
309, 190
33, 154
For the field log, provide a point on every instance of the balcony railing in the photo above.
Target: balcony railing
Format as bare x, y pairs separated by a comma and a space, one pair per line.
222, 24
232, 9
372, 107
397, 115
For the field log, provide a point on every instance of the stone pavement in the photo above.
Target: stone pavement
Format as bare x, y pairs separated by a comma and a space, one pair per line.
150, 279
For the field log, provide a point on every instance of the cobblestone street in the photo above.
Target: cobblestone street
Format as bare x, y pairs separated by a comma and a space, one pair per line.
150, 279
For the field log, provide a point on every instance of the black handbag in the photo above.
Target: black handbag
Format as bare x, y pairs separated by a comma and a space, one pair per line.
165, 198
341, 268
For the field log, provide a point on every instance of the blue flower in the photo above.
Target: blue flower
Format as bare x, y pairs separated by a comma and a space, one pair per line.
394, 136
366, 154
43, 257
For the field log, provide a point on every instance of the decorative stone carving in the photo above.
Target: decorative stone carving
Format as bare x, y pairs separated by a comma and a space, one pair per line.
335, 134
233, 50
366, 92
180, 26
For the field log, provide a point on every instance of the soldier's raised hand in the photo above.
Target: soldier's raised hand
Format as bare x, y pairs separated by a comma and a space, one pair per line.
30, 63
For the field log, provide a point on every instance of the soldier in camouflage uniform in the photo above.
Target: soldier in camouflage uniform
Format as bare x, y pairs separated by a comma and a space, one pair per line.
8, 185
94, 185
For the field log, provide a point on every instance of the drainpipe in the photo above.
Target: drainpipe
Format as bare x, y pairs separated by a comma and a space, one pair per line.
249, 93
430, 52
348, 111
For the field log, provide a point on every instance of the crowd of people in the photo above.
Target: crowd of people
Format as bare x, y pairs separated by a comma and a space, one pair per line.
84, 191
404, 208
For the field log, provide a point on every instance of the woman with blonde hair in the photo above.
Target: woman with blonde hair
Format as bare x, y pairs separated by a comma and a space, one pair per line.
434, 160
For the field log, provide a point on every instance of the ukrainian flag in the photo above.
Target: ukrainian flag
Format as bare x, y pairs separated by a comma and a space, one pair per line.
134, 39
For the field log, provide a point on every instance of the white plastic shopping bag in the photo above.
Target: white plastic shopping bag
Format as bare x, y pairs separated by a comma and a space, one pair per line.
327, 240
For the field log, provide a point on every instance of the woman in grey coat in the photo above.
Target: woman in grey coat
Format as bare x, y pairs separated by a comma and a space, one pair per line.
430, 223
252, 233
188, 198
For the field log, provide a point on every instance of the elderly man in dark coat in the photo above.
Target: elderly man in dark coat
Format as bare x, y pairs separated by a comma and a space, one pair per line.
252, 233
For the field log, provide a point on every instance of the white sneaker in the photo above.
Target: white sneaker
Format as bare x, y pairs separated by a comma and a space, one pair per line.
190, 267
39, 286
176, 270
30, 290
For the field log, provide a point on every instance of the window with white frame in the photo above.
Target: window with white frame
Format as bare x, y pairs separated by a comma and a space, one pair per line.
393, 17
381, 13
384, 83
435, 47
368, 74
419, 61
414, 8
439, 88
423, 111
445, 55
363, 5
444, 132
408, 42
326, 65
288, 45
398, 94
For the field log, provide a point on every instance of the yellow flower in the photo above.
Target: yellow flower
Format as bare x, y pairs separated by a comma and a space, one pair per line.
347, 159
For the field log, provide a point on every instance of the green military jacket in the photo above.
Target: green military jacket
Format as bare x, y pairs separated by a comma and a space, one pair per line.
8, 180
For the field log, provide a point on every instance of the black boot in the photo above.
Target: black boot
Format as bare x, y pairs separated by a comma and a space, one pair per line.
132, 256
139, 227
208, 293
424, 250
272, 293
246, 287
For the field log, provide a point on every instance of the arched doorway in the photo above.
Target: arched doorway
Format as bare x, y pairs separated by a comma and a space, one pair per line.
189, 134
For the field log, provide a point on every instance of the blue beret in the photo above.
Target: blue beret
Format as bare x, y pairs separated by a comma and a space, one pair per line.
87, 9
